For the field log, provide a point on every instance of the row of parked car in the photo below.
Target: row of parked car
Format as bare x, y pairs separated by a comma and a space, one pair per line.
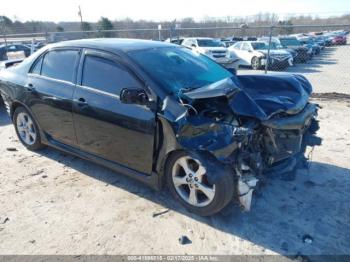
7, 51
252, 52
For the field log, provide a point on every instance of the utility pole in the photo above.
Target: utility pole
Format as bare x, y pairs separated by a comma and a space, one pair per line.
2, 20
267, 64
81, 17
160, 32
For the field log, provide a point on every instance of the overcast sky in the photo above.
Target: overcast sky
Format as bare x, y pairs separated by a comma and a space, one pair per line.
67, 10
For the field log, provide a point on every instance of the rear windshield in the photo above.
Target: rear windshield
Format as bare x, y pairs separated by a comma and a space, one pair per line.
209, 43
259, 46
289, 42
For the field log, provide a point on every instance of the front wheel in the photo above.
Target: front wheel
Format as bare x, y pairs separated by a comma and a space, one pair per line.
256, 64
26, 128
187, 179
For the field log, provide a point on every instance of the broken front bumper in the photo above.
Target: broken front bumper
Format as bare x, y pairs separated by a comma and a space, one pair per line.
285, 136
284, 143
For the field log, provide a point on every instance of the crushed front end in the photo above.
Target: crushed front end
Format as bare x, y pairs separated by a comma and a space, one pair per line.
250, 133
276, 146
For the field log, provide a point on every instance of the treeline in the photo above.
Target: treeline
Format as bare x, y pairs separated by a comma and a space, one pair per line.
8, 26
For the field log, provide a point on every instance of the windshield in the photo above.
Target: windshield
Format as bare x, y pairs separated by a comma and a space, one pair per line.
289, 42
177, 68
306, 41
275, 45
209, 43
259, 46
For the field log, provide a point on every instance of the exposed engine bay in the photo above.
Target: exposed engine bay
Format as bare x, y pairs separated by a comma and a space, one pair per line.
251, 131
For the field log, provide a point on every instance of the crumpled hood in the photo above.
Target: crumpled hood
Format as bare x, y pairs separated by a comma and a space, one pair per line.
262, 96
259, 96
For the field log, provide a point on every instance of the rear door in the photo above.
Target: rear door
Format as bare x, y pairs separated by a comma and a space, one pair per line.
50, 87
106, 127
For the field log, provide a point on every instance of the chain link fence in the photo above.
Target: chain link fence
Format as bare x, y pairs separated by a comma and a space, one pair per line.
319, 52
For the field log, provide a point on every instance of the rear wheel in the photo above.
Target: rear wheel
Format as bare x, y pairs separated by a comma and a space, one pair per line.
187, 179
27, 129
256, 64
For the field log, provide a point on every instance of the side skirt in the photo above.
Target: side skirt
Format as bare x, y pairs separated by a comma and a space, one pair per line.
151, 180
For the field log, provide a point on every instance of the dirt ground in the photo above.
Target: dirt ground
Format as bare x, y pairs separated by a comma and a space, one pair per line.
53, 203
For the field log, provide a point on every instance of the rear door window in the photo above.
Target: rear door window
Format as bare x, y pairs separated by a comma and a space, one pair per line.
12, 48
60, 64
107, 75
245, 47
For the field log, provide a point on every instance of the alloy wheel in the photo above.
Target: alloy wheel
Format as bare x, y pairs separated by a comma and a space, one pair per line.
190, 181
26, 129
255, 63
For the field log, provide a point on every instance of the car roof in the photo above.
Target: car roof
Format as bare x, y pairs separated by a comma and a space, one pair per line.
114, 44
3, 45
249, 42
204, 38
288, 37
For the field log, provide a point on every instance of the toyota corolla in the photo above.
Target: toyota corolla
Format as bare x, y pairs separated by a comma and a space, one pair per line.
162, 114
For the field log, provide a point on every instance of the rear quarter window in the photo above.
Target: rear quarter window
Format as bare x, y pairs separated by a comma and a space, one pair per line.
60, 64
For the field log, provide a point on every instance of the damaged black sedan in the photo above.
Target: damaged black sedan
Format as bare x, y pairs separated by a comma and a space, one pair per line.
162, 114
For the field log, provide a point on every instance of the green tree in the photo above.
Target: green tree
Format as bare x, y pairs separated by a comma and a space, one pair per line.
5, 25
59, 28
105, 24
5, 20
287, 27
85, 26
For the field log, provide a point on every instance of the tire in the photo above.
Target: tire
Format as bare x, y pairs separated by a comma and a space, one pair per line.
27, 129
256, 63
221, 193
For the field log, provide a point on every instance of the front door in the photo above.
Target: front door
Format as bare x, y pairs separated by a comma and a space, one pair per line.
246, 54
106, 127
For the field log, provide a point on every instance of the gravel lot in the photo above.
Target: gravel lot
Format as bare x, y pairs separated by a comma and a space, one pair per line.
328, 72
53, 203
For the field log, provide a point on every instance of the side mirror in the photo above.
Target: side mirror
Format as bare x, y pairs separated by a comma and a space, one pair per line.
193, 45
134, 96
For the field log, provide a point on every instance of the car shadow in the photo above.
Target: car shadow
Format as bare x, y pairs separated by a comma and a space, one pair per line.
4, 119
315, 64
312, 66
309, 215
